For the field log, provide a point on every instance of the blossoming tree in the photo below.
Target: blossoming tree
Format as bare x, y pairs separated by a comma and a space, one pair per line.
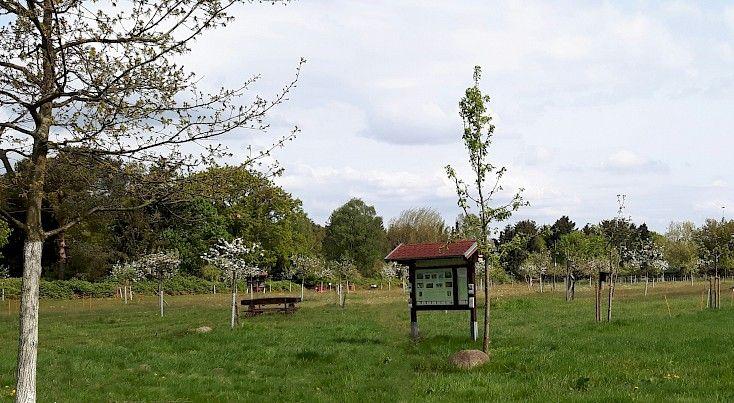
160, 266
125, 274
235, 259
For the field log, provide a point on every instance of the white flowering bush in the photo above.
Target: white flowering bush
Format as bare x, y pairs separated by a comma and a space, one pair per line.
236, 258
127, 272
4, 272
160, 265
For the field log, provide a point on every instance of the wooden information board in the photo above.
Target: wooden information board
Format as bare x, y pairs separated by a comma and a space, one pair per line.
441, 277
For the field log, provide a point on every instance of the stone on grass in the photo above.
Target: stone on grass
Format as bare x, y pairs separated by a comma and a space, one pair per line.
203, 329
468, 359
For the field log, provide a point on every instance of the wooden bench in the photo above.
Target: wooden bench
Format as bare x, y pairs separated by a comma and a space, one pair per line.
257, 306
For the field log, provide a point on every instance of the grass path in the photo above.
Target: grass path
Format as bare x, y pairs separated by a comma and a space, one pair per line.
542, 349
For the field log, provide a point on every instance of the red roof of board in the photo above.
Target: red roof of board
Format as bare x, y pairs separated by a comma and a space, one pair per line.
438, 250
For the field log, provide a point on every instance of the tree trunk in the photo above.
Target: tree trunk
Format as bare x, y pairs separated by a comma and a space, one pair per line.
234, 318
610, 296
160, 295
61, 251
301, 289
28, 340
485, 337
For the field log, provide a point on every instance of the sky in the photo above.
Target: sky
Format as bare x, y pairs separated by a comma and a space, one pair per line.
590, 100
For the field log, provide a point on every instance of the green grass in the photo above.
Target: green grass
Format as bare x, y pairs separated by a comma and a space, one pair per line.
542, 349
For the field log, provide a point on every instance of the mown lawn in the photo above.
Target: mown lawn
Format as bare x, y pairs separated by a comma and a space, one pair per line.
542, 349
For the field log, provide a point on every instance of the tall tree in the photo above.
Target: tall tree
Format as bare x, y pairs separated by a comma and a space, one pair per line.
417, 225
355, 232
80, 77
482, 190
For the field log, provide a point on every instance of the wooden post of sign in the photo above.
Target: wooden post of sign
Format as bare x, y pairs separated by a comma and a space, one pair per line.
414, 333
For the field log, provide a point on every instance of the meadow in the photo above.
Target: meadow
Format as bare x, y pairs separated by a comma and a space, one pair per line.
543, 348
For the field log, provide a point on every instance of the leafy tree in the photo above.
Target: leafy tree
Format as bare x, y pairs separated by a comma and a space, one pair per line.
77, 78
355, 232
417, 225
4, 234
477, 136
680, 249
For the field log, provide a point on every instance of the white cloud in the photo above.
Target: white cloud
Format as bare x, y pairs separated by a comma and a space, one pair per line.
589, 98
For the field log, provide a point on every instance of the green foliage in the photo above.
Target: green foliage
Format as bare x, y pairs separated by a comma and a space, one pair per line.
417, 225
4, 234
355, 232
484, 186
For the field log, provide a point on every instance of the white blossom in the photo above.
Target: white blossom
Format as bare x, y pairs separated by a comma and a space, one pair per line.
236, 257
160, 265
127, 272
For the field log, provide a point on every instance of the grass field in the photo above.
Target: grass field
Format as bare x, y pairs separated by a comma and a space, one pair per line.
542, 349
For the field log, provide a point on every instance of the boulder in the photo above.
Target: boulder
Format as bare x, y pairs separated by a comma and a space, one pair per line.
203, 329
468, 359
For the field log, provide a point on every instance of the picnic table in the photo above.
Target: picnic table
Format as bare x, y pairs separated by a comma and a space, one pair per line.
257, 306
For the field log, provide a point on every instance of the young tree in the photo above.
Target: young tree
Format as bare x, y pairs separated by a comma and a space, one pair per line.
86, 78
344, 269
307, 266
484, 187
125, 274
160, 266
390, 271
235, 259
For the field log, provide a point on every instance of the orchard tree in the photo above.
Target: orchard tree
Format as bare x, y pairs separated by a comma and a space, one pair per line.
97, 79
483, 189
235, 259
389, 272
160, 266
125, 274
307, 266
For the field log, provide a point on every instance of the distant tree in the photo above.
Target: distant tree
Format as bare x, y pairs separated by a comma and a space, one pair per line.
467, 226
160, 266
309, 267
417, 225
680, 249
125, 274
534, 266
344, 269
355, 231
484, 186
715, 240
389, 272
234, 259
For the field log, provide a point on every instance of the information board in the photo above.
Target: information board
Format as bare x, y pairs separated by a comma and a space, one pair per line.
437, 286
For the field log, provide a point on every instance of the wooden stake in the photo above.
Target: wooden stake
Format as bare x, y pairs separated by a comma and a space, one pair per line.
668, 305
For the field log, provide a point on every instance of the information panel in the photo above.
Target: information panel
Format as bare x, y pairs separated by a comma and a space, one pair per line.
434, 287
437, 286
